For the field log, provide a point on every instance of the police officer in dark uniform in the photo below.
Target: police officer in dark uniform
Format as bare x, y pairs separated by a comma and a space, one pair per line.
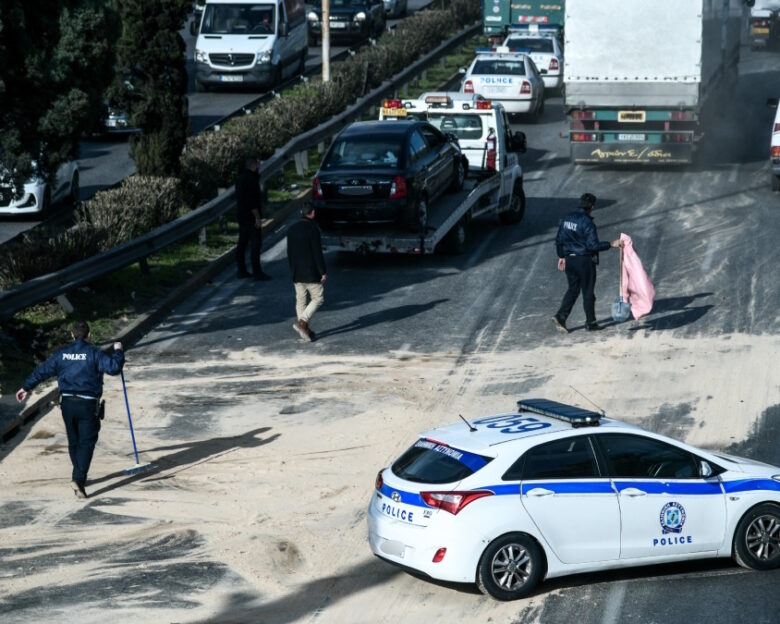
79, 369
250, 224
578, 247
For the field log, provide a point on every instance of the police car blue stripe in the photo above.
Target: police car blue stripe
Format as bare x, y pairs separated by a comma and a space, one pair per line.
750, 485
407, 498
673, 487
571, 487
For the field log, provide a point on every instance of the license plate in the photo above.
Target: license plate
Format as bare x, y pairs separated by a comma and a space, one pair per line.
761, 31
393, 112
631, 116
338, 25
362, 189
631, 137
231, 78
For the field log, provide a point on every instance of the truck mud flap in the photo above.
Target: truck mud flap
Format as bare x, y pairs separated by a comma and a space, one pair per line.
644, 153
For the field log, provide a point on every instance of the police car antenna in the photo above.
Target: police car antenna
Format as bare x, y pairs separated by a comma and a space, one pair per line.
603, 413
470, 426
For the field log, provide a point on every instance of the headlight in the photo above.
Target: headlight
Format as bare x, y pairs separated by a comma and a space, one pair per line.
201, 56
264, 57
313, 17
360, 17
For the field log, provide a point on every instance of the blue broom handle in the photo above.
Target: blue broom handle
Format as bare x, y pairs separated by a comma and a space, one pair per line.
129, 420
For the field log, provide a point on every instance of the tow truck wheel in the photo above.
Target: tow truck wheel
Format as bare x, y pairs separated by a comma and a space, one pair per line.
511, 567
775, 182
516, 210
417, 215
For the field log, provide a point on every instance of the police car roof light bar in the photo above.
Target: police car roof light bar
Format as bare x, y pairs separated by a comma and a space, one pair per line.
547, 28
577, 416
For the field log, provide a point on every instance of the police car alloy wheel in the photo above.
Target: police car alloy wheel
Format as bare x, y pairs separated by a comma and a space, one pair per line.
757, 539
511, 567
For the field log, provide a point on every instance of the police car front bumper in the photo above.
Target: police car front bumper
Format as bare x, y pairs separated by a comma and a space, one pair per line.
258, 75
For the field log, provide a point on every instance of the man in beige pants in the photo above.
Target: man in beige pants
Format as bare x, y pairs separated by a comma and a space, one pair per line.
307, 265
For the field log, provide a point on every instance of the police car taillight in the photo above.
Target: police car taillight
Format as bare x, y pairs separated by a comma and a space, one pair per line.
317, 189
392, 104
525, 88
398, 188
484, 105
468, 87
453, 502
379, 481
554, 64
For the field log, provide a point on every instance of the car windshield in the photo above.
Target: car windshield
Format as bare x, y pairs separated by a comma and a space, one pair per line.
365, 151
534, 45
339, 3
238, 19
428, 461
511, 67
461, 125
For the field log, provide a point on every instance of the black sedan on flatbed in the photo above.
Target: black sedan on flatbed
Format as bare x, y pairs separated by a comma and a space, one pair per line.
375, 172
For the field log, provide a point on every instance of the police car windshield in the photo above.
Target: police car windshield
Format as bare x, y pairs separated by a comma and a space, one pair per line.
499, 66
462, 126
365, 151
238, 19
428, 461
534, 45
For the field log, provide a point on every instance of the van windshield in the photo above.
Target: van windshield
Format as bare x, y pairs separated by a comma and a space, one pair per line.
238, 19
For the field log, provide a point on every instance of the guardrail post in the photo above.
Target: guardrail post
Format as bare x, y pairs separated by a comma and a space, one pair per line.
144, 266
301, 162
424, 75
405, 89
321, 147
202, 237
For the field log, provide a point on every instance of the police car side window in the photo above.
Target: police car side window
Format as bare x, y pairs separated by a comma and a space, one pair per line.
633, 456
570, 458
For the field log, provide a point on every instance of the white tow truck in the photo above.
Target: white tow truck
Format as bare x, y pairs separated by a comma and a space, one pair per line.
494, 186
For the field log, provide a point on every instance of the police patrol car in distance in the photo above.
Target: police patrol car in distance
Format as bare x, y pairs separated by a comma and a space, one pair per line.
542, 45
551, 489
508, 77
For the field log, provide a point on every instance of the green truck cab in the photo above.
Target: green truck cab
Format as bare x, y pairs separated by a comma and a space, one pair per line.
498, 15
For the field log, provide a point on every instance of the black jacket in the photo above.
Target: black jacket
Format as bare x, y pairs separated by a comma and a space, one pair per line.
304, 252
248, 194
577, 236
79, 368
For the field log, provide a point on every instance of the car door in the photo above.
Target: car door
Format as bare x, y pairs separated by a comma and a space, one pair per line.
666, 508
419, 156
570, 501
442, 165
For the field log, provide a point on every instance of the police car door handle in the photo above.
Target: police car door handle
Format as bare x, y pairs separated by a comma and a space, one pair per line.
633, 492
538, 492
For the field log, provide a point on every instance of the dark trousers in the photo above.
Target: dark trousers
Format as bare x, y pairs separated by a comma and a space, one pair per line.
82, 425
581, 275
252, 236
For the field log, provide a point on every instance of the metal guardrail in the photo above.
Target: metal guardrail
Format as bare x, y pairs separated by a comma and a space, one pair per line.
49, 286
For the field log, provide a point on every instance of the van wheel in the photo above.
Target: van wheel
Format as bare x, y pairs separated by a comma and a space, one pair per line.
757, 538
417, 215
460, 176
775, 182
516, 210
511, 567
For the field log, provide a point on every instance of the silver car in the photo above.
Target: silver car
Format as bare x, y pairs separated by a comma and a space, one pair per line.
38, 196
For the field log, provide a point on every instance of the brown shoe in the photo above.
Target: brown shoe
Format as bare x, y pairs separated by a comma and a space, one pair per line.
309, 333
303, 331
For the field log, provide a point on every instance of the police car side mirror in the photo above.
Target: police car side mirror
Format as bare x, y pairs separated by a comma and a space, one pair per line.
772, 102
705, 470
461, 70
519, 142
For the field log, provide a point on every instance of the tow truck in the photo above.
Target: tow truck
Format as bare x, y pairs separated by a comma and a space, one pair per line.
494, 185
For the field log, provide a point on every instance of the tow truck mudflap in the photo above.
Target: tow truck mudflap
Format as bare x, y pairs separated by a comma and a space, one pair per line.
625, 152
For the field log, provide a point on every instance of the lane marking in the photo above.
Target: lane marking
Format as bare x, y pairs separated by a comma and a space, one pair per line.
614, 605
546, 160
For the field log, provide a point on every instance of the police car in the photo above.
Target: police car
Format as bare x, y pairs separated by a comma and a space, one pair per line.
506, 77
551, 489
542, 45
774, 150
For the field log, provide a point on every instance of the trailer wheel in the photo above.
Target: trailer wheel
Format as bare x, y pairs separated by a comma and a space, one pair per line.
516, 210
775, 182
417, 215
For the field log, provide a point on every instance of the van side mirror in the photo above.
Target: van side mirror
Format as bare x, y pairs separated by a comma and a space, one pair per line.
284, 29
194, 27
519, 142
772, 102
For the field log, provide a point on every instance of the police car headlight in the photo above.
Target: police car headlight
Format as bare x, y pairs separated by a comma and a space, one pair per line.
313, 17
201, 56
264, 56
360, 17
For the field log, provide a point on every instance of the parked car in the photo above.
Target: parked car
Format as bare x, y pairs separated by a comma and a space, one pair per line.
509, 78
38, 196
396, 8
379, 172
350, 20
509, 500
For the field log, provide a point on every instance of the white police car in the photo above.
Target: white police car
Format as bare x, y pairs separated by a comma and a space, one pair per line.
542, 45
508, 500
774, 149
506, 77
38, 195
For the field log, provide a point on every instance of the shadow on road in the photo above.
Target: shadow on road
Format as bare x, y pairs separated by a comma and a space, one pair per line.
680, 314
383, 316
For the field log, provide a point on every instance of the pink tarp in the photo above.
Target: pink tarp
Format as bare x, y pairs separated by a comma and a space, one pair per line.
637, 288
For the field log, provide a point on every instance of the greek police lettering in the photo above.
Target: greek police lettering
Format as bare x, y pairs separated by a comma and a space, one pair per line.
496, 80
74, 356
569, 225
672, 540
394, 512
446, 450
425, 444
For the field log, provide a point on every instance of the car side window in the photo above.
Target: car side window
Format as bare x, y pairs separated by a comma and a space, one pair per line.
433, 138
633, 456
569, 458
417, 146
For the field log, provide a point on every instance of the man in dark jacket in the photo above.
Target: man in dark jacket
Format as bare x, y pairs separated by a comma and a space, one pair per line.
307, 265
79, 369
250, 224
578, 247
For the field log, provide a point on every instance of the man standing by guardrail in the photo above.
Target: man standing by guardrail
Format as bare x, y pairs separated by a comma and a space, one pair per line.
307, 264
250, 223
79, 368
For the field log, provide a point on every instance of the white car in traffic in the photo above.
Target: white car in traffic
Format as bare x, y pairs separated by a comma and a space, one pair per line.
551, 489
38, 195
508, 78
543, 47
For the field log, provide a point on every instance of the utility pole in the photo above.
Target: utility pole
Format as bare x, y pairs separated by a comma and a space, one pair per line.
325, 40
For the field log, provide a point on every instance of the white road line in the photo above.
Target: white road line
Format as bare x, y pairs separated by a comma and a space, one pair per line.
710, 253
614, 606
734, 173
276, 251
545, 161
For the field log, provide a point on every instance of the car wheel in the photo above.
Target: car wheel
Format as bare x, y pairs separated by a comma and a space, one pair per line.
775, 182
516, 210
455, 241
511, 567
757, 538
417, 215
460, 176
73, 196
539, 111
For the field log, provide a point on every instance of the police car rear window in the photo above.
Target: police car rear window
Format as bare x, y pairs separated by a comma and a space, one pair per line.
534, 45
504, 67
429, 461
462, 126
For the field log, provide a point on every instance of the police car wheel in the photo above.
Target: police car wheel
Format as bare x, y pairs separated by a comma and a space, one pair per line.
511, 567
757, 538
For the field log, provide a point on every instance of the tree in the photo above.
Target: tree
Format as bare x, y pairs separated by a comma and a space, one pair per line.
152, 82
56, 60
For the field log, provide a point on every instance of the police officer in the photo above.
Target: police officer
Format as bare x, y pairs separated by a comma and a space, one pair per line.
79, 369
578, 247
250, 223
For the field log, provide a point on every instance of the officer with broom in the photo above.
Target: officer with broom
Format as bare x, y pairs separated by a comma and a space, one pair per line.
79, 368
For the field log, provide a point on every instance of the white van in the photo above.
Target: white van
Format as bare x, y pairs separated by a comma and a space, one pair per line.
257, 43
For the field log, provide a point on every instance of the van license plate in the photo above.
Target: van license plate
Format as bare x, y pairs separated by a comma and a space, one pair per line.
229, 78
631, 137
338, 25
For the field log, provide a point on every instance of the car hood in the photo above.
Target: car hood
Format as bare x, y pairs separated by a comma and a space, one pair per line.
746, 465
239, 44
